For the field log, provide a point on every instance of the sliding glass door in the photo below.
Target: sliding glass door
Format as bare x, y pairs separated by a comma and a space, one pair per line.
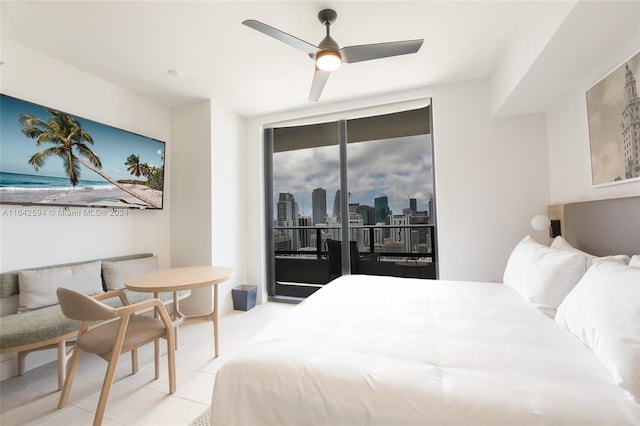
304, 163
349, 196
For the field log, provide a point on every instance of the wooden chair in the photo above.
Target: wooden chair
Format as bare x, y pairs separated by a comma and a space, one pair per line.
121, 330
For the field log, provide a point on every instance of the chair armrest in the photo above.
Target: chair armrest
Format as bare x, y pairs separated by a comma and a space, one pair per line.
111, 294
145, 305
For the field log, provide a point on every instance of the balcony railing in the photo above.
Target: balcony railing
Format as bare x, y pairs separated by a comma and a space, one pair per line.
301, 256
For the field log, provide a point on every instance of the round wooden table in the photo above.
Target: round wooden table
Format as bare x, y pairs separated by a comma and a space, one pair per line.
185, 278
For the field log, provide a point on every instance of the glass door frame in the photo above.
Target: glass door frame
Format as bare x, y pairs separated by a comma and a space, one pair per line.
269, 219
268, 144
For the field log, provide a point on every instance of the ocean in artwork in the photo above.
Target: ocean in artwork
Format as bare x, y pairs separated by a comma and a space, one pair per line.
25, 189
22, 182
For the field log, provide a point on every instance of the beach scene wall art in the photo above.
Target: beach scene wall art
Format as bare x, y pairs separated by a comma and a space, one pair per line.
51, 158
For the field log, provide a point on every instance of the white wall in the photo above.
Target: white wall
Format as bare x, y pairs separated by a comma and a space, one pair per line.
254, 200
491, 179
230, 207
529, 39
191, 195
27, 242
568, 138
209, 205
36, 241
203, 217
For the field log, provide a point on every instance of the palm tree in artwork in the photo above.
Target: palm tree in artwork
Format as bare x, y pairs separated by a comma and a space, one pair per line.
135, 167
71, 144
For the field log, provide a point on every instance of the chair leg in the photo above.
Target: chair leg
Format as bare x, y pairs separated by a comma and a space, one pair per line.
134, 361
106, 388
215, 320
71, 373
176, 314
156, 357
175, 329
171, 362
156, 346
62, 363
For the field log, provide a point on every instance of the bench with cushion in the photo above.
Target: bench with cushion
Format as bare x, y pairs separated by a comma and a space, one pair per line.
39, 322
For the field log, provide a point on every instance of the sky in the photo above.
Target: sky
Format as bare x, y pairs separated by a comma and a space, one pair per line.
605, 102
399, 168
111, 145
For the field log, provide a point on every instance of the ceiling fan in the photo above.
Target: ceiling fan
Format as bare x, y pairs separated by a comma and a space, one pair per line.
328, 56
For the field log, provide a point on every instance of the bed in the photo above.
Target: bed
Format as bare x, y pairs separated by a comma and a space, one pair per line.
380, 350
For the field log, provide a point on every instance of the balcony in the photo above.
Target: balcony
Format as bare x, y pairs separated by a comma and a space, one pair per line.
302, 260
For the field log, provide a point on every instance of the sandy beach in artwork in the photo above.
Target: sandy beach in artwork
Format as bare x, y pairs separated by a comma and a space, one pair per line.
108, 196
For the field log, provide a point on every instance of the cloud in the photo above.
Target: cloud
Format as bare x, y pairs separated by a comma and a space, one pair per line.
608, 164
399, 168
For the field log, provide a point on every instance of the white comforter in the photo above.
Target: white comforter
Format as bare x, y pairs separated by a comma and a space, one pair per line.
390, 351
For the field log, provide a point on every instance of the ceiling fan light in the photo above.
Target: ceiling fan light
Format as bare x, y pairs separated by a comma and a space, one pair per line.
328, 60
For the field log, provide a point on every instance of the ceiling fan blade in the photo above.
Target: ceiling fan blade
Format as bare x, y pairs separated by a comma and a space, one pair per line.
307, 48
319, 80
367, 52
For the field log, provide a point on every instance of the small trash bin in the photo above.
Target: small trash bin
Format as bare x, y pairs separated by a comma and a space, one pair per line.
244, 297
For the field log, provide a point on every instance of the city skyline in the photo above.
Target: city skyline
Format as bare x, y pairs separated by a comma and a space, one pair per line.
287, 206
399, 168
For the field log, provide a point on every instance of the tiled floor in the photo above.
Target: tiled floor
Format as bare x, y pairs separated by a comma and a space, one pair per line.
136, 399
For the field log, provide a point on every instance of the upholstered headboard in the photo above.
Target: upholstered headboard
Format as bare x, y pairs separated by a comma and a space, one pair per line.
601, 227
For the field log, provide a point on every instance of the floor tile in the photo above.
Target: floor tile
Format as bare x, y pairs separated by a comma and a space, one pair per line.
136, 399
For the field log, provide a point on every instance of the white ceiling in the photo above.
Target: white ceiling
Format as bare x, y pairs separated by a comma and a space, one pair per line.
134, 44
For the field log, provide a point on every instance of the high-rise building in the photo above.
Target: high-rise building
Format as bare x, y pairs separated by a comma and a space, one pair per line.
402, 233
631, 126
319, 206
413, 204
367, 214
420, 218
336, 205
382, 212
304, 235
287, 208
288, 217
381, 209
282, 242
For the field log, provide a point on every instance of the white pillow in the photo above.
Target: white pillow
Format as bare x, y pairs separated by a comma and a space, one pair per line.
542, 275
116, 273
562, 244
622, 259
635, 261
38, 287
603, 311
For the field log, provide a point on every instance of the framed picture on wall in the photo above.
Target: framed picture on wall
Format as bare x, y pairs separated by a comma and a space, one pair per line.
52, 158
613, 109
